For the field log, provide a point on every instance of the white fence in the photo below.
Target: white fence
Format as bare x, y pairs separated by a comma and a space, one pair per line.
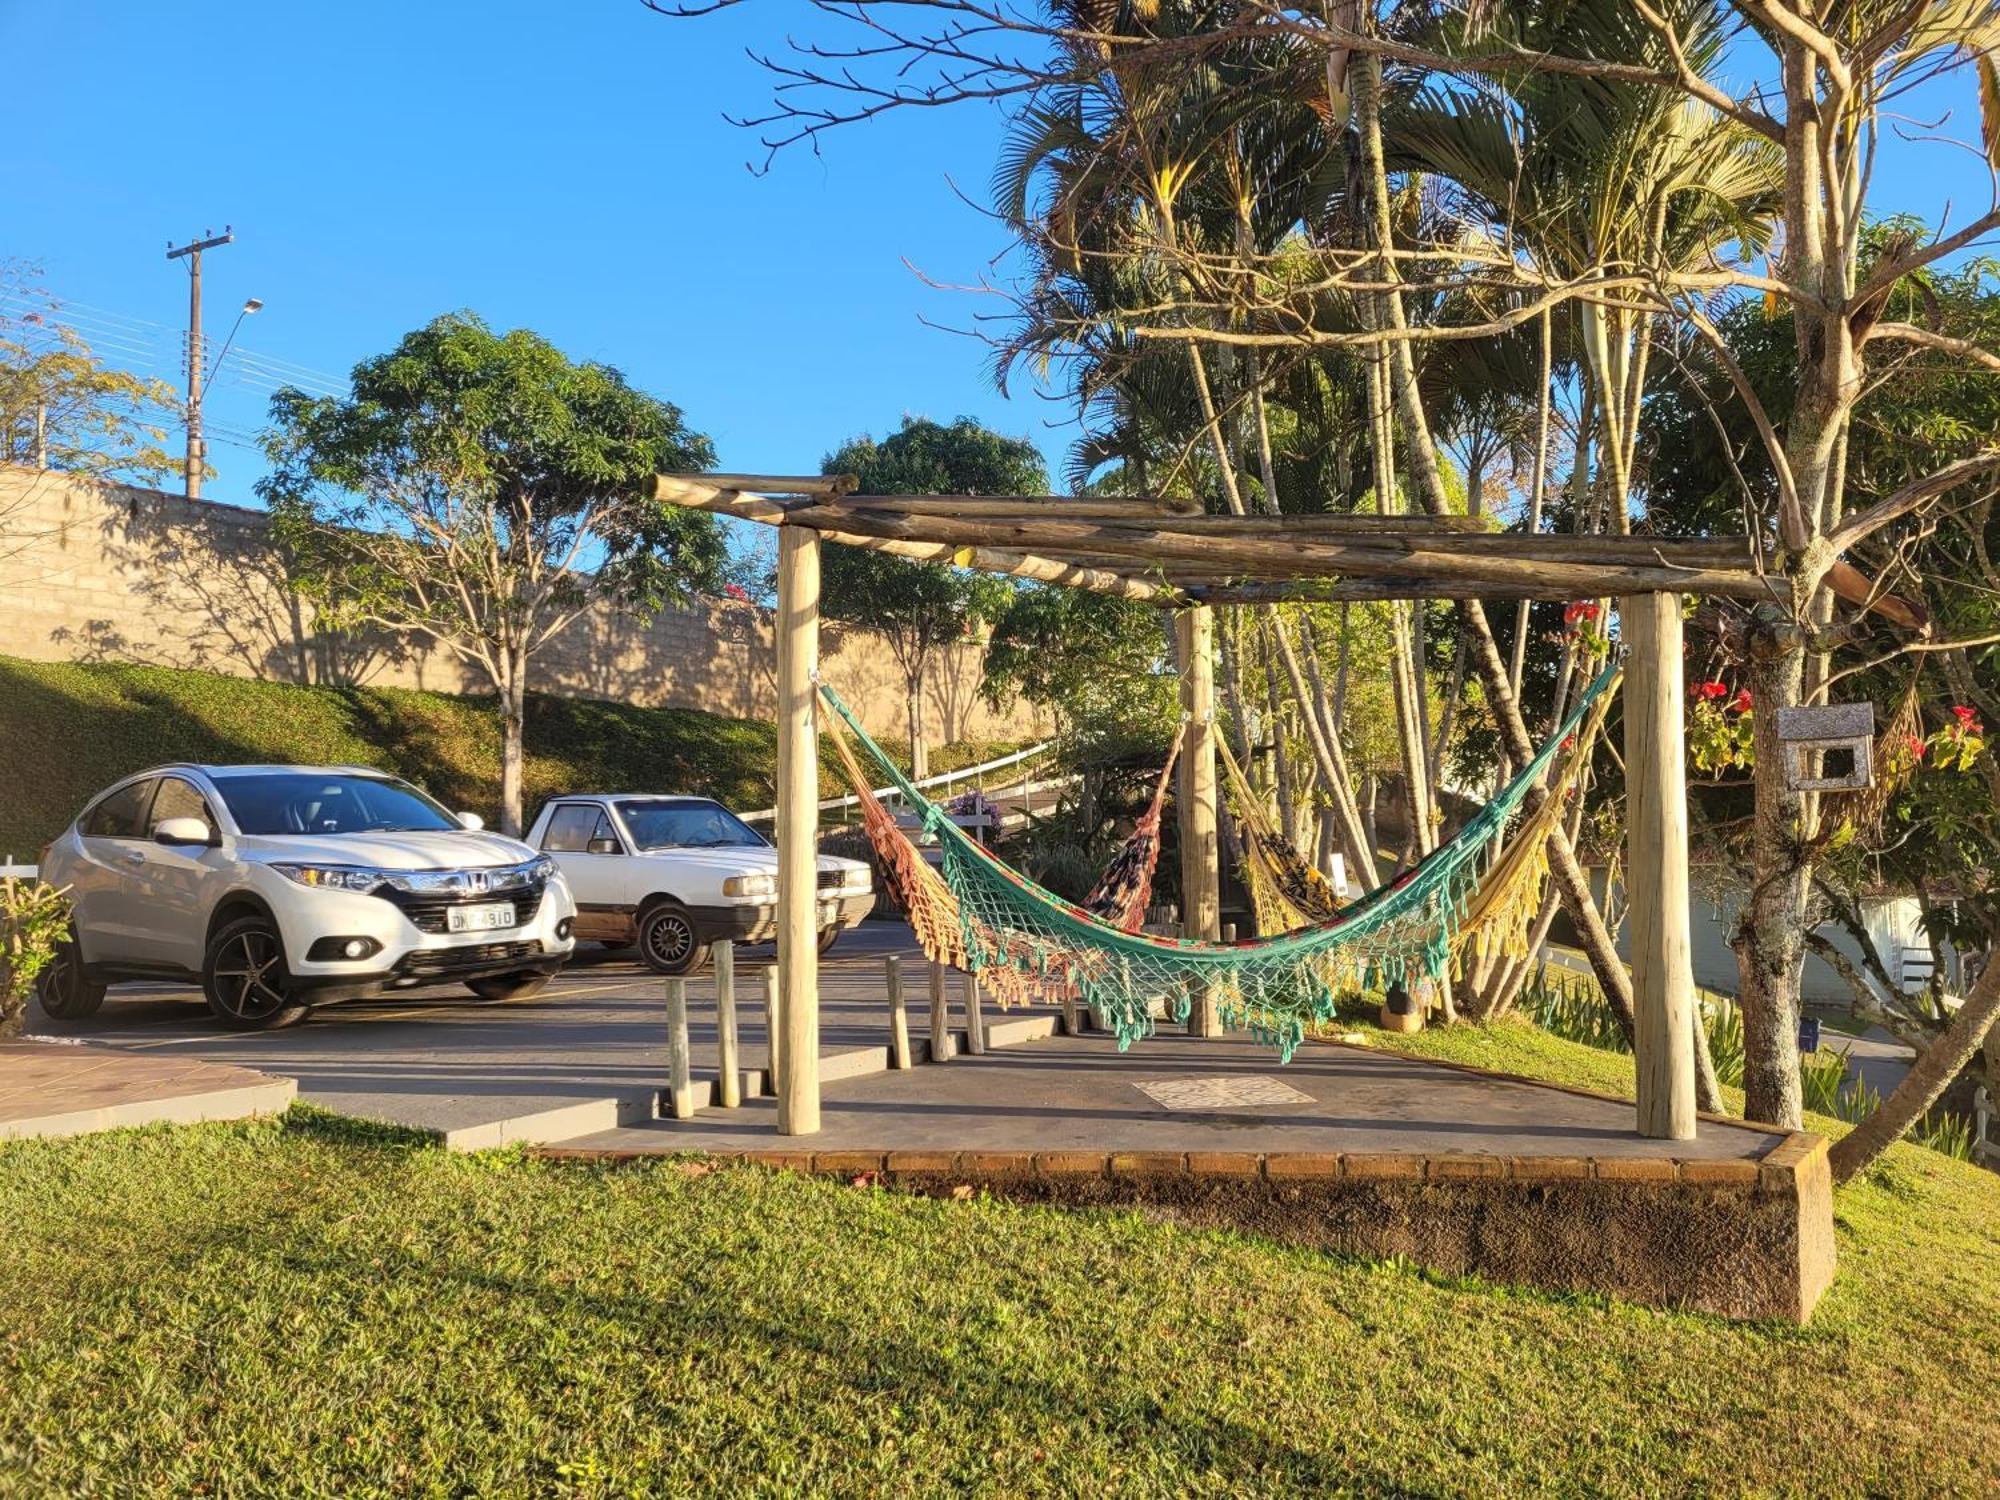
944, 781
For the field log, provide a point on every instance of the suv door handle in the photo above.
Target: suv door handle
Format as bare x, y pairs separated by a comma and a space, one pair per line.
133, 857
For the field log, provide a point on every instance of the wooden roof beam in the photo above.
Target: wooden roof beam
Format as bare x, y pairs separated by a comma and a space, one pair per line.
1571, 565
699, 494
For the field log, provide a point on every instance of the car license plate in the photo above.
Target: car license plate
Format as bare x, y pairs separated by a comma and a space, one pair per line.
480, 918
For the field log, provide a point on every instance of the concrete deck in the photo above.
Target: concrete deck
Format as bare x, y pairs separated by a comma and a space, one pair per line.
1343, 1149
1071, 1093
48, 1090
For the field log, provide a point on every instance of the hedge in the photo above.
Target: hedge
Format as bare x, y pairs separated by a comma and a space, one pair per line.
68, 729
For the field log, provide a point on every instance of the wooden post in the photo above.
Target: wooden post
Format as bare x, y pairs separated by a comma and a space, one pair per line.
1072, 1024
1656, 865
728, 1061
1201, 850
773, 1034
975, 1020
798, 830
899, 1019
680, 1061
940, 1020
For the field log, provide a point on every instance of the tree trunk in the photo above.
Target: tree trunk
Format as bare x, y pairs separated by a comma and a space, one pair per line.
1932, 1073
1770, 934
513, 742
920, 755
1569, 878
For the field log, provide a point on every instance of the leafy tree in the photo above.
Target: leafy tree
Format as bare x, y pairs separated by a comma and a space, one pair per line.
1932, 828
1097, 662
921, 607
61, 407
481, 490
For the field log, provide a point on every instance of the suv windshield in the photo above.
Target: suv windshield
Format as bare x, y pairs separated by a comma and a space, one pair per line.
294, 802
687, 825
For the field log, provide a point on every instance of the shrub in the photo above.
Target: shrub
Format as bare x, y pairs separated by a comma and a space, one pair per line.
34, 917
1066, 869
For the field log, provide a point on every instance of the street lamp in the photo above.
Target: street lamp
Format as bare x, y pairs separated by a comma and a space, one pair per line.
250, 305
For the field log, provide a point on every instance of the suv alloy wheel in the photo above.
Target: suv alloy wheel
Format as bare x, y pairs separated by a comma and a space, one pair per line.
67, 993
244, 978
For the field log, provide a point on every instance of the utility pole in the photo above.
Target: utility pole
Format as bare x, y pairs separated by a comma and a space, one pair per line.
196, 450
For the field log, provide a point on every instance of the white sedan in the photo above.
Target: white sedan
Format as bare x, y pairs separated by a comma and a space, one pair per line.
676, 874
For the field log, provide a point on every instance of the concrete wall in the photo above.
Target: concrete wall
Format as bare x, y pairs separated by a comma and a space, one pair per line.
94, 572
1713, 909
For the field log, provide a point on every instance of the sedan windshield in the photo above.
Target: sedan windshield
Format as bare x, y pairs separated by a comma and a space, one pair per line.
687, 825
291, 802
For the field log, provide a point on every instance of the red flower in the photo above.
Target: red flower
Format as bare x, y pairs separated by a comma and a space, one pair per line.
737, 591
1968, 718
1741, 702
1712, 690
1578, 612
1917, 747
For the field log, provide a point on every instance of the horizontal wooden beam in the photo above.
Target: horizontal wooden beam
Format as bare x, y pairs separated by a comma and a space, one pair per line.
778, 484
698, 493
1572, 565
1278, 534
1167, 559
1138, 508
1359, 591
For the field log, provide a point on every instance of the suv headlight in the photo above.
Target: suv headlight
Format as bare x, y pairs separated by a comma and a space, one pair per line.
332, 877
857, 879
750, 885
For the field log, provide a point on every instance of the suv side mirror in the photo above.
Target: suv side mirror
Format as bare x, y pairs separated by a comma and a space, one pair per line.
471, 822
602, 846
185, 831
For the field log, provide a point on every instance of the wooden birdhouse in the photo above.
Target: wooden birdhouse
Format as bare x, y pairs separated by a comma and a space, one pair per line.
1828, 747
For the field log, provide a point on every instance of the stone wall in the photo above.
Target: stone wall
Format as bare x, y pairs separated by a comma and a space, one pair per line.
96, 572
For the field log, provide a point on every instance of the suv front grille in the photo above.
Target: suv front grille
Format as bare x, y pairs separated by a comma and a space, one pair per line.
829, 880
427, 912
449, 960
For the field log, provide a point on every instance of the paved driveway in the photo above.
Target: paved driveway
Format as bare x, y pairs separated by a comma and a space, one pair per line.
595, 1039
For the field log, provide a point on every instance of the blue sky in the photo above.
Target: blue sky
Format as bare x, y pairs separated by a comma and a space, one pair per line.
562, 167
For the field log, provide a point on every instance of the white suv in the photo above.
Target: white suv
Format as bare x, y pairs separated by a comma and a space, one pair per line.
280, 887
674, 874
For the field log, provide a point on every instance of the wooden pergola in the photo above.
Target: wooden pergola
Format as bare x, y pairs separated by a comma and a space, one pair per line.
1159, 552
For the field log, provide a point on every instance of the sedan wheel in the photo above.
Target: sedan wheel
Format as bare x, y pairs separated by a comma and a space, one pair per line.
245, 979
668, 941
67, 993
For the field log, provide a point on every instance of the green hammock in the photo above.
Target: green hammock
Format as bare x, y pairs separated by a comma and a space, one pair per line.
1027, 943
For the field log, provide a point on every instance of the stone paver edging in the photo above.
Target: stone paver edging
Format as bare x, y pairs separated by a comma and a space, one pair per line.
1737, 1238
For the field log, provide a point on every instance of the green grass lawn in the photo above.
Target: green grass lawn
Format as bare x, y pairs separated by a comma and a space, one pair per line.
69, 729
310, 1307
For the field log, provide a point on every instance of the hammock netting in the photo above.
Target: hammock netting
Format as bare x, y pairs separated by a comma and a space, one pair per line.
1471, 895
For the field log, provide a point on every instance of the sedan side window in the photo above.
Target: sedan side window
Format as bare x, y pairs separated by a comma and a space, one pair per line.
178, 799
122, 815
571, 827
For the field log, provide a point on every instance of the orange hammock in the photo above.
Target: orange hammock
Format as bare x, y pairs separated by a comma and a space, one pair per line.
1124, 890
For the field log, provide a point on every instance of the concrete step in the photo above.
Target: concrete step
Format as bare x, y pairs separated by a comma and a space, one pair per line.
548, 1127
